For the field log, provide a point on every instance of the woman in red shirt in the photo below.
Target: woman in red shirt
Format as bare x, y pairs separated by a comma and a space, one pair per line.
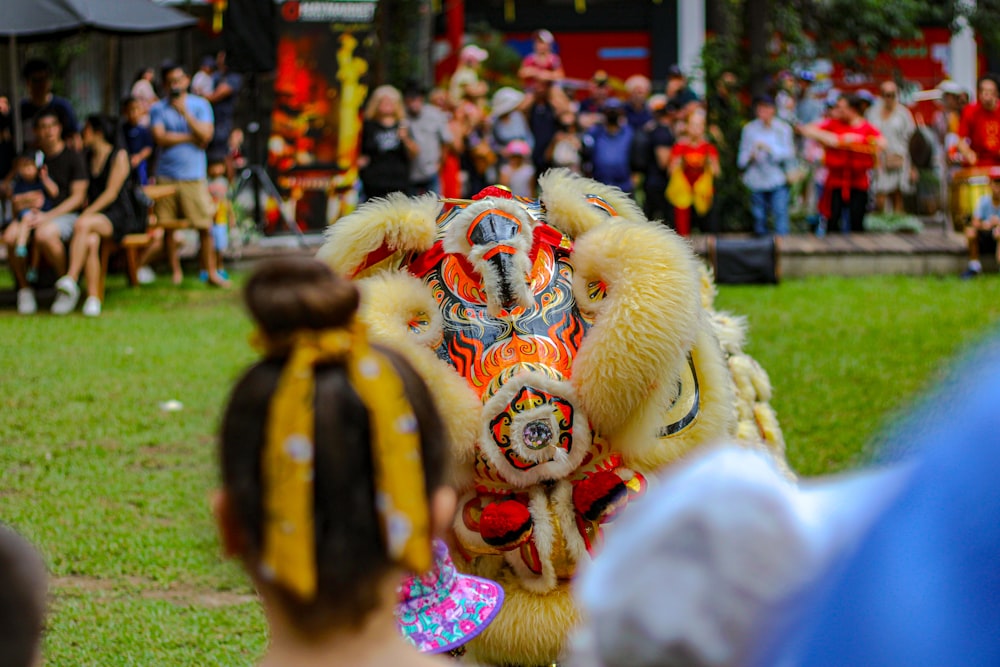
851, 144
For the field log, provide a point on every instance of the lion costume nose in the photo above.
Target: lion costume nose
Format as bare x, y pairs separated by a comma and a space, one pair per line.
500, 259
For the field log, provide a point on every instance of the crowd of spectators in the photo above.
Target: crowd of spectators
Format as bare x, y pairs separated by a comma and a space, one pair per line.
826, 157
72, 187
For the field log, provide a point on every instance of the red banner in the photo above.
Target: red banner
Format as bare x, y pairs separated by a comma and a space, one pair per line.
320, 85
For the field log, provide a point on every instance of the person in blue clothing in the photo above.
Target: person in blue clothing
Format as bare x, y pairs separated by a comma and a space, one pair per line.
138, 139
923, 587
660, 140
226, 87
608, 147
38, 82
984, 229
183, 125
766, 149
637, 112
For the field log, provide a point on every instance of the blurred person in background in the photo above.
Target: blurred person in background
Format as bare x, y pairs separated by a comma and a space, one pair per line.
851, 144
470, 59
694, 166
979, 127
894, 175
637, 91
660, 141
387, 148
590, 106
542, 64
766, 148
607, 147
38, 80
429, 127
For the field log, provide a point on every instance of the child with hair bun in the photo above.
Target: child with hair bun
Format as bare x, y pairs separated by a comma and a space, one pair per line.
333, 464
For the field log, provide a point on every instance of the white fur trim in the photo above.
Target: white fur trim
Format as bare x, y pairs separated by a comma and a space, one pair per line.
643, 329
388, 301
403, 223
392, 300
564, 196
562, 505
456, 241
456, 235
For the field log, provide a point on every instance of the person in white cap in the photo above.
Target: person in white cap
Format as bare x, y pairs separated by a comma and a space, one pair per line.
470, 58
713, 562
508, 120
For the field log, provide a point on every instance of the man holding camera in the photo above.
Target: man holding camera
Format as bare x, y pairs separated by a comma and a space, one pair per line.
182, 126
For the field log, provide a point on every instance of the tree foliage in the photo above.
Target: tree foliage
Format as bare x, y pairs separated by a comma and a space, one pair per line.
766, 36
756, 39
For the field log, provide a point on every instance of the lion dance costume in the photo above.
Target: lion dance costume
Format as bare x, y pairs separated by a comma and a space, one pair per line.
573, 349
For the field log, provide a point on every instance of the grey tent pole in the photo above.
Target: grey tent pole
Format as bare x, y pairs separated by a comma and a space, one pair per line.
15, 101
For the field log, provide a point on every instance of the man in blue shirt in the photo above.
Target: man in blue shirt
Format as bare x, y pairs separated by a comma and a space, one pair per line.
766, 149
182, 126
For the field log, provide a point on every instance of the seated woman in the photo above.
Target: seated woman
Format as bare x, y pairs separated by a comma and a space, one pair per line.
333, 460
109, 215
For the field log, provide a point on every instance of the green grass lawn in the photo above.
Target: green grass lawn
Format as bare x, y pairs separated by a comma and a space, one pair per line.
115, 491
845, 356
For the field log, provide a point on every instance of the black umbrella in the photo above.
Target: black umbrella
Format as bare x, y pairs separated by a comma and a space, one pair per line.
38, 18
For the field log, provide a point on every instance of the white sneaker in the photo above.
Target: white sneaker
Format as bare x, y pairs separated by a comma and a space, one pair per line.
67, 294
145, 275
26, 304
92, 306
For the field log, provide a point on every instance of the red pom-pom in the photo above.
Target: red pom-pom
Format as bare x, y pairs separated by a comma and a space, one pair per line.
600, 496
505, 525
493, 191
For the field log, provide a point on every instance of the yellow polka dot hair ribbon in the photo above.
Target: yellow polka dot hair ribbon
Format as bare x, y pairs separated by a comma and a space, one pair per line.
289, 557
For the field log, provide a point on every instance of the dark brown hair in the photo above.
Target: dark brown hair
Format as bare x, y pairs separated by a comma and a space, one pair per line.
286, 295
22, 599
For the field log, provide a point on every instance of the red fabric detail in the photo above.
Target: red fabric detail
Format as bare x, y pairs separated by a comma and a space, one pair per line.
451, 186
549, 236
682, 221
848, 169
981, 127
598, 487
374, 258
506, 524
493, 191
694, 158
422, 264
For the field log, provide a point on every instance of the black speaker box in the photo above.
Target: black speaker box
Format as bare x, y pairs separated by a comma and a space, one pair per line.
741, 261
249, 32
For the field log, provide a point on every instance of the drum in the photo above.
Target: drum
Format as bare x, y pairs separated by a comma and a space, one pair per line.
964, 192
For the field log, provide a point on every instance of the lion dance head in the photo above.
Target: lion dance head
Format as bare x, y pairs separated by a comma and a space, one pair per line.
573, 349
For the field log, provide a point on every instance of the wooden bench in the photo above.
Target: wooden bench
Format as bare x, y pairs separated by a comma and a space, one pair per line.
134, 244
